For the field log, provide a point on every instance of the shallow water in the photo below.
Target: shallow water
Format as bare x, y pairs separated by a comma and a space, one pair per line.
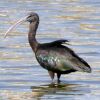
21, 77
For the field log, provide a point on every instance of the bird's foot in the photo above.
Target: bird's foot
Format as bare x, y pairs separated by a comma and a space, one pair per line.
53, 81
58, 81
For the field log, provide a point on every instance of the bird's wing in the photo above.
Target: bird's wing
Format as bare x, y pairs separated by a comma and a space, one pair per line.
77, 63
61, 58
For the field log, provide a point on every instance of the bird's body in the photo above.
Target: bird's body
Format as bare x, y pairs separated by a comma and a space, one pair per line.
54, 56
58, 58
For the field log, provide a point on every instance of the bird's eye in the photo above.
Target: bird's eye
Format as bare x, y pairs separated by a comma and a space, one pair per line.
29, 16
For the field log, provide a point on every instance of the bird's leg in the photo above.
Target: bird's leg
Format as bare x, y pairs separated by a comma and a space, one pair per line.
51, 74
58, 76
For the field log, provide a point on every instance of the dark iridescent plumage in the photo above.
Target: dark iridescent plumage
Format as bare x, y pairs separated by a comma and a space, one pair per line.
58, 58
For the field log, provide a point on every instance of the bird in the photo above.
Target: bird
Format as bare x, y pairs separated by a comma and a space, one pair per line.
54, 56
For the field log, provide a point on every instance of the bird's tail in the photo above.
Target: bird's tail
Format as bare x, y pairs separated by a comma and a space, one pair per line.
81, 65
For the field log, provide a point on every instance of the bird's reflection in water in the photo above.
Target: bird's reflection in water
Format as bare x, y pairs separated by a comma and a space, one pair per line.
64, 89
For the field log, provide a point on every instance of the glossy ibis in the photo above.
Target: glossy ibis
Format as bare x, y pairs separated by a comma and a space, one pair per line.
53, 56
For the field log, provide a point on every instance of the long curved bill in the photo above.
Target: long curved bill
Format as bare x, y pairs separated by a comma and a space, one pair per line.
13, 26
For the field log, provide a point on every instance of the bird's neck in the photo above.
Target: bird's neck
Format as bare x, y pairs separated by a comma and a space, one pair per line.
32, 36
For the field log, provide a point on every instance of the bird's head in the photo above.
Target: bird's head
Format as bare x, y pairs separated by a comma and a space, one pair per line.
31, 17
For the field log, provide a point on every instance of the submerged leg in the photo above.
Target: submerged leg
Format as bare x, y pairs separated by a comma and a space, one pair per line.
51, 74
58, 76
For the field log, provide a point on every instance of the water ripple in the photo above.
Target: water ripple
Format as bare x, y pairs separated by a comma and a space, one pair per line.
21, 77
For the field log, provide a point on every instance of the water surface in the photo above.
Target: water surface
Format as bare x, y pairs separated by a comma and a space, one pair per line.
21, 77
